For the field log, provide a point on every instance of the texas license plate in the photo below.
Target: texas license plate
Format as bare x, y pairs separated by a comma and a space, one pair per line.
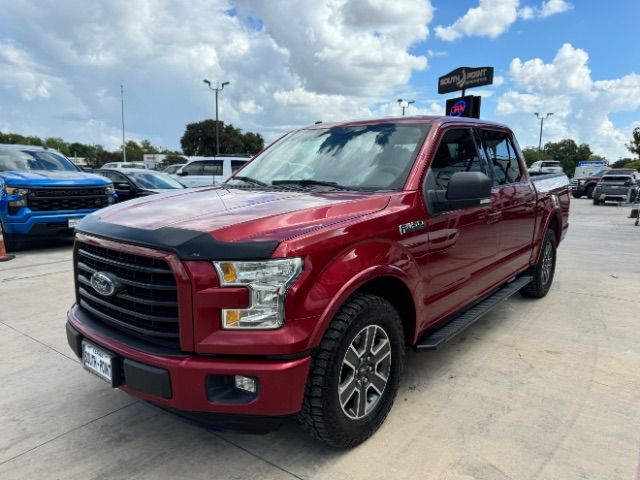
73, 222
97, 361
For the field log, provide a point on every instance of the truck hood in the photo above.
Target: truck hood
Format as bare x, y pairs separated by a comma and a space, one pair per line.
42, 178
243, 215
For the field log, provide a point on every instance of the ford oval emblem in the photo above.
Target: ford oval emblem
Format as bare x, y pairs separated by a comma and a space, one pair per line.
104, 284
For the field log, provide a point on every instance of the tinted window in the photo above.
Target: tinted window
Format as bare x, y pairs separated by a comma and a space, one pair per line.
456, 153
237, 165
153, 180
212, 167
194, 168
502, 157
550, 164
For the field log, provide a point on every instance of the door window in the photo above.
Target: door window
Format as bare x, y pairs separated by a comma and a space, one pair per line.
194, 168
212, 167
456, 153
237, 165
502, 157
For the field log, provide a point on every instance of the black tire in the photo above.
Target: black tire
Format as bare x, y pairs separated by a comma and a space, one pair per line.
589, 191
323, 413
576, 195
544, 270
596, 201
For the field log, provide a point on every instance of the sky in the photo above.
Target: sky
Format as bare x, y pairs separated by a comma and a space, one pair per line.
293, 62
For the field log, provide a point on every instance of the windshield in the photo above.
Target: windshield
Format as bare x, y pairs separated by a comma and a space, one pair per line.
367, 157
154, 180
26, 161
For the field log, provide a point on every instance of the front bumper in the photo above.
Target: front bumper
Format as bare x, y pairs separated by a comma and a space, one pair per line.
42, 223
177, 381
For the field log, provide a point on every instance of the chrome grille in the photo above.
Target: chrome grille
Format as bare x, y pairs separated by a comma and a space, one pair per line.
146, 305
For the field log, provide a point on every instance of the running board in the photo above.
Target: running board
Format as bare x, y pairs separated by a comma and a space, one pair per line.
434, 339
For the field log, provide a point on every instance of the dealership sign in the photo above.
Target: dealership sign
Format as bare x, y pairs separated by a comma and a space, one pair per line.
468, 106
465, 77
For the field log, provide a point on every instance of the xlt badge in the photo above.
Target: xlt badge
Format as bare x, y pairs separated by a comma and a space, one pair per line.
411, 227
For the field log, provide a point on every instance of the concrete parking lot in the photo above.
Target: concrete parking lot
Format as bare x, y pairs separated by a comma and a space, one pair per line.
545, 389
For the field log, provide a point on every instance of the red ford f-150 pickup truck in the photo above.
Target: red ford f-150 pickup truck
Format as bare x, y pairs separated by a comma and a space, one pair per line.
294, 288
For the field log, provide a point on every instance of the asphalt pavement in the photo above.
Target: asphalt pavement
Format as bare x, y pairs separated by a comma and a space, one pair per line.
538, 389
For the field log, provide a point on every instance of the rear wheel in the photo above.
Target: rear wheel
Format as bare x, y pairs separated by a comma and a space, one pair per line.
355, 372
544, 270
576, 195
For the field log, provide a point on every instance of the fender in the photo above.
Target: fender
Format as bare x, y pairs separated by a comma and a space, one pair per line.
550, 211
352, 269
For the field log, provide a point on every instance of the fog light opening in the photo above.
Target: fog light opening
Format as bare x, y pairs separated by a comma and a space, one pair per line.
246, 383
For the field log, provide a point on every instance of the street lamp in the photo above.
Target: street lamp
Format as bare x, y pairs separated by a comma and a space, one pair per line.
404, 104
124, 146
542, 119
218, 88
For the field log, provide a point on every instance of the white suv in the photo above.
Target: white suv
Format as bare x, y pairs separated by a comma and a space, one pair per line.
205, 171
542, 167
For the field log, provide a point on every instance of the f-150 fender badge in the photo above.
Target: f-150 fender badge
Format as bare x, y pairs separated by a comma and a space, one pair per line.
411, 227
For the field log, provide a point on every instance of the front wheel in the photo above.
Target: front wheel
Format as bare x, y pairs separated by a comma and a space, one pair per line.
355, 373
544, 270
589, 191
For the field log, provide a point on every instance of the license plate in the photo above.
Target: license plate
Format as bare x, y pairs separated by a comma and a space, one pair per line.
97, 361
73, 222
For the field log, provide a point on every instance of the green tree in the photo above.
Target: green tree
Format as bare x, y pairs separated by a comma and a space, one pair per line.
635, 165
568, 153
634, 145
621, 163
58, 144
531, 155
147, 147
200, 139
134, 152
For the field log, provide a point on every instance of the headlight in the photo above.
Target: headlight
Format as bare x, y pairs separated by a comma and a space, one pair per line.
268, 282
20, 193
16, 191
581, 182
110, 190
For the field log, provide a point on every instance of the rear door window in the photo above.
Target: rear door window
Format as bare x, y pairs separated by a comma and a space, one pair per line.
501, 156
212, 167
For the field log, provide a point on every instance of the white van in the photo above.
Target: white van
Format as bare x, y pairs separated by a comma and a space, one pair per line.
205, 171
544, 167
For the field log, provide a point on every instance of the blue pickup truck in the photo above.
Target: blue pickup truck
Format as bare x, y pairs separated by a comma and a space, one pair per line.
43, 193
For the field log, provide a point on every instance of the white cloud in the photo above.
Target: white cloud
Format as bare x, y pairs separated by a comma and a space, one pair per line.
546, 9
581, 106
491, 18
289, 63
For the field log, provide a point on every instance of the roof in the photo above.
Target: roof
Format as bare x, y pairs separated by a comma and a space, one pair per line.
434, 119
16, 146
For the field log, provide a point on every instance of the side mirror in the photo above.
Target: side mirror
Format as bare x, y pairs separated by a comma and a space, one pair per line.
122, 186
465, 190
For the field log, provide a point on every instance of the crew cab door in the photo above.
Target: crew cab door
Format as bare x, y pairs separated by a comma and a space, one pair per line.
462, 243
513, 198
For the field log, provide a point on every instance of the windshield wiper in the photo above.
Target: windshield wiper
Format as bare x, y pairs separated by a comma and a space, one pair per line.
249, 180
308, 182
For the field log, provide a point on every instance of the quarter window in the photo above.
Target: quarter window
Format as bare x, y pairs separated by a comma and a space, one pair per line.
502, 157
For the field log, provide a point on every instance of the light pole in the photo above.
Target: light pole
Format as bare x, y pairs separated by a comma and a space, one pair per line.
124, 146
404, 104
217, 89
542, 119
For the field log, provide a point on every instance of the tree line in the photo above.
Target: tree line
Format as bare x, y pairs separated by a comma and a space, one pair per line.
569, 153
198, 139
